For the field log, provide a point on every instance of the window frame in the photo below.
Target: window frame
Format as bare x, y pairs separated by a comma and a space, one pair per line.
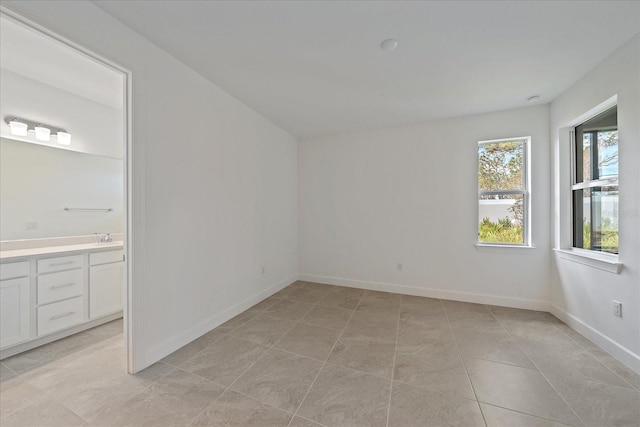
525, 193
609, 181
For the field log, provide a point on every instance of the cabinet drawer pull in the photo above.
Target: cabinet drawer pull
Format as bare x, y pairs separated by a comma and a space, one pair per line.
61, 286
57, 264
62, 315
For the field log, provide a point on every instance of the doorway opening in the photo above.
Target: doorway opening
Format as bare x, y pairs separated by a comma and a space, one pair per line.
65, 207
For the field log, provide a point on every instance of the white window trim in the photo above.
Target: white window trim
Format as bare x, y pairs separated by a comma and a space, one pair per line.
526, 195
498, 248
600, 260
564, 237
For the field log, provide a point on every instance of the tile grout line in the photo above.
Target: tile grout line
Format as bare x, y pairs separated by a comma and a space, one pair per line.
464, 363
48, 394
325, 361
393, 361
588, 351
256, 361
541, 373
561, 397
232, 329
227, 388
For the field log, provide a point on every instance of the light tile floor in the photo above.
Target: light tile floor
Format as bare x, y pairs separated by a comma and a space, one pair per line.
319, 355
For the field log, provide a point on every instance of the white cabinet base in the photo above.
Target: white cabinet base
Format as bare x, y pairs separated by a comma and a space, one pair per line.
14, 311
37, 342
105, 289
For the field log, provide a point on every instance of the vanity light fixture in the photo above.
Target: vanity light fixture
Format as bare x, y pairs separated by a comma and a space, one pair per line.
42, 133
21, 127
64, 138
18, 128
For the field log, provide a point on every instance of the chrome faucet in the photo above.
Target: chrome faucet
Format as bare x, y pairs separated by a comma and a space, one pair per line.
104, 238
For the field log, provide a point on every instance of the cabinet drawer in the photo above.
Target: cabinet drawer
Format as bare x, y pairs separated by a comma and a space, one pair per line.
105, 257
59, 286
59, 263
60, 315
14, 269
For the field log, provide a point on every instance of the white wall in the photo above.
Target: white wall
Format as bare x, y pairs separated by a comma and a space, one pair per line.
213, 201
38, 182
370, 200
582, 295
95, 128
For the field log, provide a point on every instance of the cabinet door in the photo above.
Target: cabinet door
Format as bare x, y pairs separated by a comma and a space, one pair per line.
105, 289
14, 311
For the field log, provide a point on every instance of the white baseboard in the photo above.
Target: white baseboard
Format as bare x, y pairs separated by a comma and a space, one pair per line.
528, 304
167, 347
618, 351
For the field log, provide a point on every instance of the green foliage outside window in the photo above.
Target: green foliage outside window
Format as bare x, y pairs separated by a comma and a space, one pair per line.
500, 168
504, 231
608, 236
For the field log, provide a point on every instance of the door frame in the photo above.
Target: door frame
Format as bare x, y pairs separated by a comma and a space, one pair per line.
127, 137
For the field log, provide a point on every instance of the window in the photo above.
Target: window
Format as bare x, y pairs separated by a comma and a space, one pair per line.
503, 192
595, 183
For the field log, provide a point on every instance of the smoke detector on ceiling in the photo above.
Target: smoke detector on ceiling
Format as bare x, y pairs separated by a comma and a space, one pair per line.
389, 44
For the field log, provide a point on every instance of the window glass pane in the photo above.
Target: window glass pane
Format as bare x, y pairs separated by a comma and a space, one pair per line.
501, 219
500, 166
607, 153
599, 218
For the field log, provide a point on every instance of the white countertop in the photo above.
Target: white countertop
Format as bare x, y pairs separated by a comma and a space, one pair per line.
23, 254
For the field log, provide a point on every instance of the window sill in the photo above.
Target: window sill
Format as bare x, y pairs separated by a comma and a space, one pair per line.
487, 247
604, 262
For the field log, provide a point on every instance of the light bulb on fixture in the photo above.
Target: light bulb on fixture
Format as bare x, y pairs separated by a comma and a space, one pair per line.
42, 133
18, 128
64, 138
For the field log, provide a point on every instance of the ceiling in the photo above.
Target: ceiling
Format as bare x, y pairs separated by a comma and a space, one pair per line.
316, 67
31, 54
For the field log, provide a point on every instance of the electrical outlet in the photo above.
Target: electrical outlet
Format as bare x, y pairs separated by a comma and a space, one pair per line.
32, 226
400, 267
617, 308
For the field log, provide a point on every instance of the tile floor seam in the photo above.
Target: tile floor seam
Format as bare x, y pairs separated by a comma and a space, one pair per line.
200, 377
324, 364
307, 419
356, 370
464, 363
228, 388
591, 353
524, 413
318, 326
248, 396
242, 373
545, 378
237, 326
48, 396
495, 318
8, 368
563, 399
393, 361
534, 323
197, 353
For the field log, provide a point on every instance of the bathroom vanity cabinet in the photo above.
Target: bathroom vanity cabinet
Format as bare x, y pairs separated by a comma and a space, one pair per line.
50, 293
